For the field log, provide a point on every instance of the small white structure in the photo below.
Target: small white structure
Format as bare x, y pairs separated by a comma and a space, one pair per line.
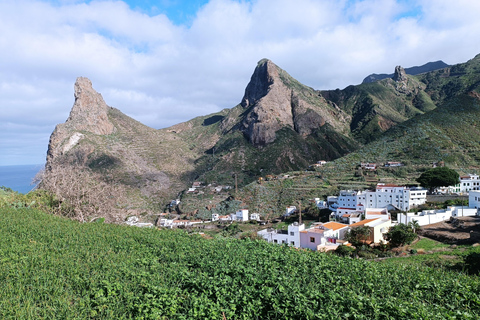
290, 210
175, 202
255, 216
427, 217
215, 216
290, 236
474, 199
368, 166
321, 204
242, 215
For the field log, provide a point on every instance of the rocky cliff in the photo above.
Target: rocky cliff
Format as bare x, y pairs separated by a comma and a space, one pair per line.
103, 159
274, 100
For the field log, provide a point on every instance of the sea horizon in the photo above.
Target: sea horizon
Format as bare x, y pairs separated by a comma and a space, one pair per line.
19, 177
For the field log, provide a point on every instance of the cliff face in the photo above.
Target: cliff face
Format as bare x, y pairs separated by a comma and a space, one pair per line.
274, 100
89, 113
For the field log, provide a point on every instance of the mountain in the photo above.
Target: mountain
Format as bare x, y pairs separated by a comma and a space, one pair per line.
103, 163
430, 66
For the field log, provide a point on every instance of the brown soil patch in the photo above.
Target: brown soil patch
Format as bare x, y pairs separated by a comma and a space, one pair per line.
462, 230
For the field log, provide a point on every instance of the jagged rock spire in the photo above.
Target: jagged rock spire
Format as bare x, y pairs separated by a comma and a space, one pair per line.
400, 75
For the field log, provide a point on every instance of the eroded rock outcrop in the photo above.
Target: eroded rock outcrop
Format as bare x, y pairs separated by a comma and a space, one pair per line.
89, 113
274, 100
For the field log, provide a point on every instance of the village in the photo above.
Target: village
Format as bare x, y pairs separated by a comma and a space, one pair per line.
349, 209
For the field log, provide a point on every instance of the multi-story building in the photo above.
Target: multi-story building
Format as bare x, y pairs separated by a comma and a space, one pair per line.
467, 183
384, 195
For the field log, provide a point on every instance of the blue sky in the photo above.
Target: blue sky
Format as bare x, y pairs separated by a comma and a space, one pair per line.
179, 12
167, 61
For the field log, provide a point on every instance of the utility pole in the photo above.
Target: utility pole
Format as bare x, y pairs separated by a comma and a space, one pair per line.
236, 185
299, 212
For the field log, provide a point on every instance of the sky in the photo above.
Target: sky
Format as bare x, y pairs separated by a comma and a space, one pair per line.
167, 61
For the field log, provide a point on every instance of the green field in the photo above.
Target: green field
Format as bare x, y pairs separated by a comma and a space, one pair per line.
55, 268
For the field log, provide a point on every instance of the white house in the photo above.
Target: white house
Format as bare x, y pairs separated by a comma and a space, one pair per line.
290, 236
290, 210
215, 216
474, 199
322, 234
242, 215
255, 216
466, 184
378, 227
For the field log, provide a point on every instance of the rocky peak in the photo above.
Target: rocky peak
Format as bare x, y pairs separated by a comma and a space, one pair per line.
89, 112
263, 77
270, 103
400, 75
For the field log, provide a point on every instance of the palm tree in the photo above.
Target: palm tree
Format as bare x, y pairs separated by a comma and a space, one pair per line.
415, 226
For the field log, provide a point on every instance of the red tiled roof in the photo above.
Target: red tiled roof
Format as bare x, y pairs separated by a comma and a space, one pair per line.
363, 222
334, 225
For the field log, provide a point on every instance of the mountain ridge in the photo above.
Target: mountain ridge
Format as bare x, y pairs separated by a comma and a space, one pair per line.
280, 125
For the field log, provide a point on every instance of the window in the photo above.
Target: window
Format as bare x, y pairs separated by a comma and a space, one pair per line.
292, 233
312, 239
283, 241
292, 243
275, 241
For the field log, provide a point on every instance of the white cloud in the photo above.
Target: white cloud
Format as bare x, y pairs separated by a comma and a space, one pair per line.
161, 74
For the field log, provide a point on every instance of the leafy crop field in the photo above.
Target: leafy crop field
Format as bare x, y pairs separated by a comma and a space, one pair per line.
54, 268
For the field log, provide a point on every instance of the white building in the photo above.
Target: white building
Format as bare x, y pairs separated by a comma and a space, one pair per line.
400, 197
427, 217
322, 234
290, 210
255, 216
242, 215
474, 199
290, 236
385, 195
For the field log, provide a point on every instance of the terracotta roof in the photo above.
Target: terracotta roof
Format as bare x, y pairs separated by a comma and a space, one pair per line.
363, 222
334, 225
346, 215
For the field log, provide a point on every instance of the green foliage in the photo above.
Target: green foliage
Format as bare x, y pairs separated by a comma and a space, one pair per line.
438, 177
400, 234
345, 251
472, 262
55, 268
358, 236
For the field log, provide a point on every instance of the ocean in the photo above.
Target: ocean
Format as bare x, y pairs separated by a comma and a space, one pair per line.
19, 178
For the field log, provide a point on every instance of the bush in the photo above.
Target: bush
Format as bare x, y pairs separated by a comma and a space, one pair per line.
367, 255
344, 251
472, 263
400, 235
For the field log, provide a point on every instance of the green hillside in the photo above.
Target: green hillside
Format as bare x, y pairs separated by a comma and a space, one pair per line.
55, 268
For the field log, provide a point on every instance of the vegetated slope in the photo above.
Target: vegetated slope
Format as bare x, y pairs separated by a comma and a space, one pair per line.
280, 125
430, 66
450, 133
105, 163
54, 268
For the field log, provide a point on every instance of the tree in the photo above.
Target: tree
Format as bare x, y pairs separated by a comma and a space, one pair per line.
400, 235
438, 177
358, 236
